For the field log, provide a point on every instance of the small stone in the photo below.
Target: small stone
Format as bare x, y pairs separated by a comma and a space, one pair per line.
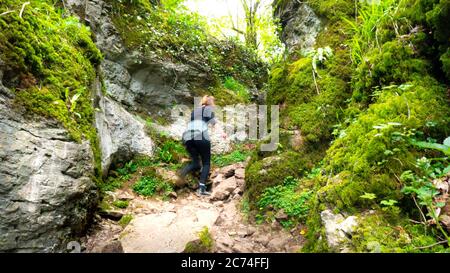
277, 244
173, 195
281, 215
226, 241
242, 233
125, 197
251, 231
219, 221
112, 215
112, 247
262, 239
232, 233
242, 248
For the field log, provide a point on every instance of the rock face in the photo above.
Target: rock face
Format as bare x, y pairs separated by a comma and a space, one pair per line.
144, 84
46, 190
300, 25
121, 135
338, 229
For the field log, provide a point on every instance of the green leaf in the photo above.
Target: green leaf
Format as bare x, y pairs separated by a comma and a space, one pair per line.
369, 196
447, 142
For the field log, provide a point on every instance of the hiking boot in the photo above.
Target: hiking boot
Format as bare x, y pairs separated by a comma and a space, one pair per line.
202, 191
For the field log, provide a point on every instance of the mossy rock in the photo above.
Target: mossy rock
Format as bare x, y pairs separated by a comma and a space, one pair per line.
262, 173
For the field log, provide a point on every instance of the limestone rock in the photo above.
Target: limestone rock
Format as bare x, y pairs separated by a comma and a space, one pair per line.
300, 25
46, 190
338, 229
121, 135
224, 189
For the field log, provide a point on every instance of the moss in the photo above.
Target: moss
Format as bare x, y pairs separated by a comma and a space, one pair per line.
121, 204
375, 234
395, 64
333, 10
262, 173
125, 220
371, 152
204, 244
50, 61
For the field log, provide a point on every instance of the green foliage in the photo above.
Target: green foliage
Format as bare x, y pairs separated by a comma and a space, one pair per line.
286, 197
204, 244
125, 220
171, 31
151, 185
375, 234
171, 152
422, 187
369, 196
229, 159
239, 89
50, 62
444, 148
262, 173
372, 149
121, 204
372, 16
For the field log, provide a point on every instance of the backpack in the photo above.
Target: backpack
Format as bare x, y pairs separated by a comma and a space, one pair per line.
196, 130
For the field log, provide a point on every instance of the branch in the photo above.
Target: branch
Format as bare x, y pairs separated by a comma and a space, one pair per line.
435, 244
6, 12
238, 30
23, 7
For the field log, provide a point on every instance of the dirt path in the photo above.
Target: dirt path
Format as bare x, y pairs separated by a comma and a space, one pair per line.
167, 226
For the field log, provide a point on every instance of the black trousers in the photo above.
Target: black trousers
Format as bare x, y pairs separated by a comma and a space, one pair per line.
199, 149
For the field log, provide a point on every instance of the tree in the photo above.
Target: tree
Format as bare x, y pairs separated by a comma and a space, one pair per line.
251, 8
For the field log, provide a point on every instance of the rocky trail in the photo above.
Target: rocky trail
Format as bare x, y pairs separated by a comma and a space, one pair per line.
160, 226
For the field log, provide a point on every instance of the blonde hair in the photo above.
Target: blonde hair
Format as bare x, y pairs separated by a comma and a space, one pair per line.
208, 101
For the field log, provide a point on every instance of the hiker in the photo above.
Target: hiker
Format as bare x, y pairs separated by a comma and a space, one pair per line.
197, 142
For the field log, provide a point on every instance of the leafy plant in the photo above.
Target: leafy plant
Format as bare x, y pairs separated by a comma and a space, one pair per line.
319, 56
129, 168
369, 196
421, 187
444, 147
171, 152
286, 197
149, 186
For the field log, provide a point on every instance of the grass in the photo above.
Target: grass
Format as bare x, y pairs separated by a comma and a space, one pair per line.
229, 159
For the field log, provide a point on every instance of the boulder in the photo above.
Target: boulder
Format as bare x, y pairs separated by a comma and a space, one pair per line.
300, 25
121, 135
224, 189
46, 192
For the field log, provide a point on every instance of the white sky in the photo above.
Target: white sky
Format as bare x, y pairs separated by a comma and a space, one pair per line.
215, 8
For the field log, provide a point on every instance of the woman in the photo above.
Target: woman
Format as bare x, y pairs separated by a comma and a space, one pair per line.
197, 142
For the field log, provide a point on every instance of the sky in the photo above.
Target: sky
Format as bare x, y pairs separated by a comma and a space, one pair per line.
215, 8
